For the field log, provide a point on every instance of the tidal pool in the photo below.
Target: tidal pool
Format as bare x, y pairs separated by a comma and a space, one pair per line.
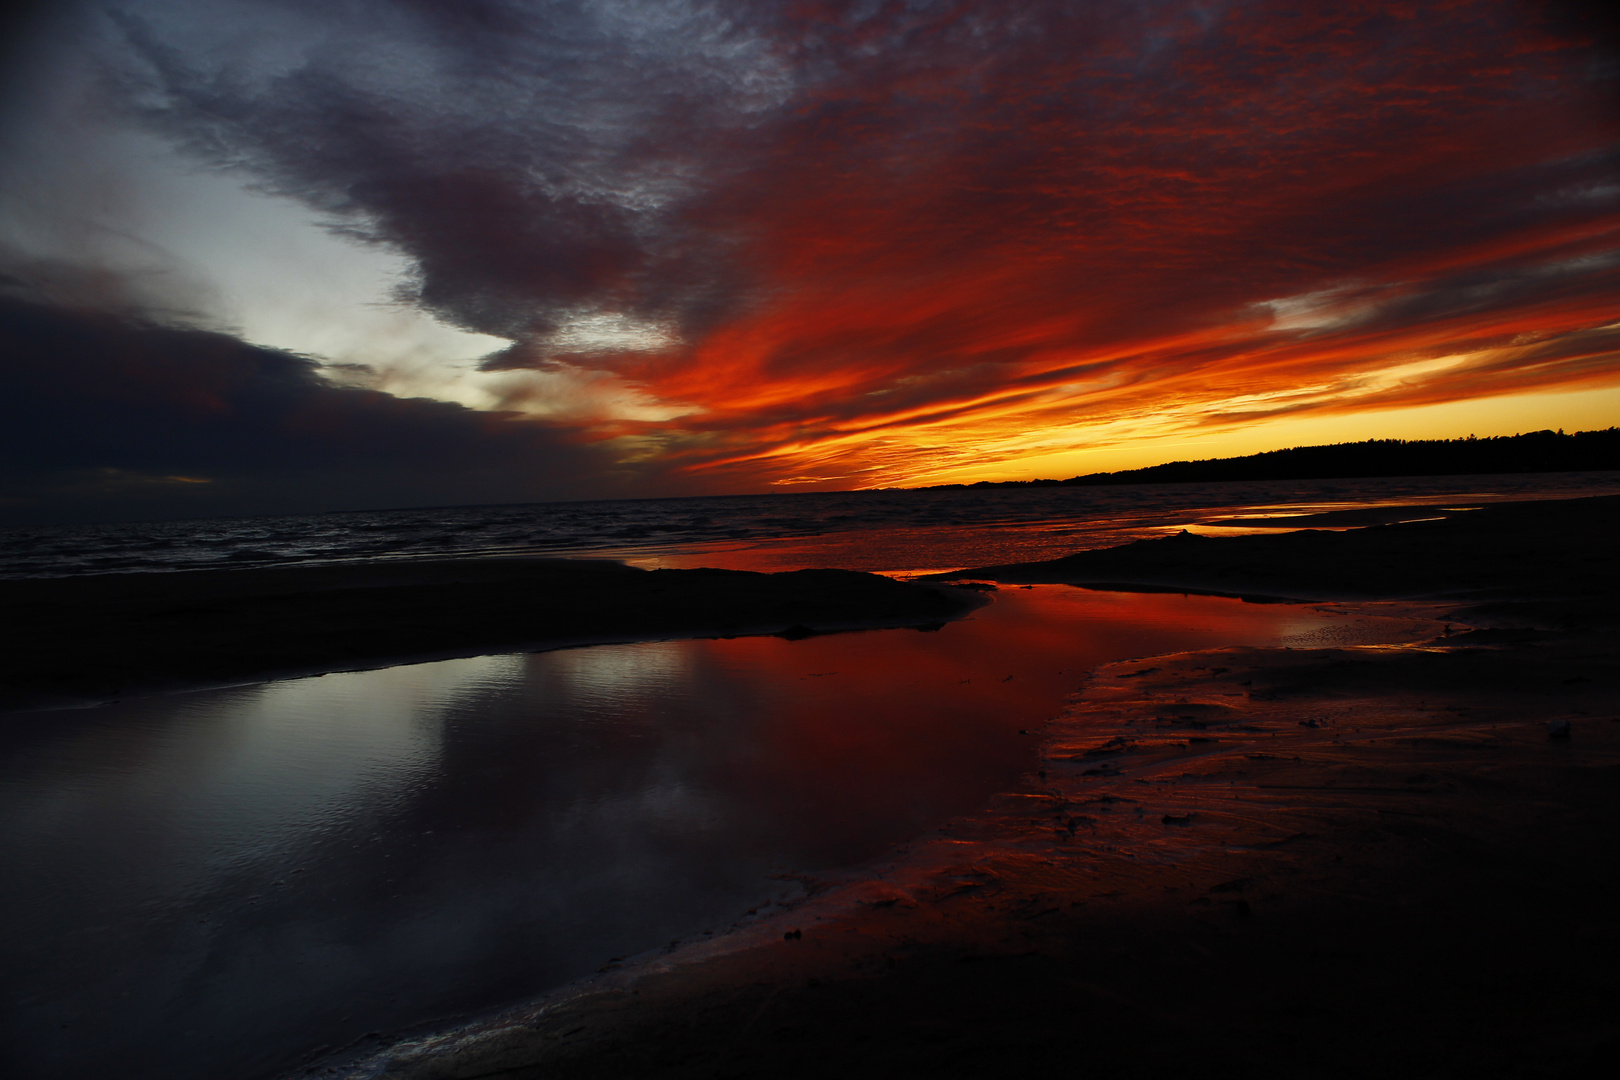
211, 885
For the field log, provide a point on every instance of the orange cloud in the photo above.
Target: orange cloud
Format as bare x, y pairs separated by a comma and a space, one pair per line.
984, 256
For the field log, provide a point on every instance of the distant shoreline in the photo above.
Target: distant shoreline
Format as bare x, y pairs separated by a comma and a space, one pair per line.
1533, 452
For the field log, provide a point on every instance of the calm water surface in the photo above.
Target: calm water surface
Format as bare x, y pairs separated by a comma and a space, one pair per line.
209, 885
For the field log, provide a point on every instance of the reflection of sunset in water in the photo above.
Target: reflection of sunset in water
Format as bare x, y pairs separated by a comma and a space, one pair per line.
878, 734
308, 860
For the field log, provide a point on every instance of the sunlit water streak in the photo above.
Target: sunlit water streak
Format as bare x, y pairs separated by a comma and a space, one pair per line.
208, 885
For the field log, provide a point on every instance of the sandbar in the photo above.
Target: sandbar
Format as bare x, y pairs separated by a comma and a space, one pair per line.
106, 637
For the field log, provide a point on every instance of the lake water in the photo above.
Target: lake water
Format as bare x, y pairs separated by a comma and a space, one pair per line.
928, 529
209, 885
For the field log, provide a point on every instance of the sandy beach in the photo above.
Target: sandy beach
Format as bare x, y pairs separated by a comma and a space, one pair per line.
1391, 855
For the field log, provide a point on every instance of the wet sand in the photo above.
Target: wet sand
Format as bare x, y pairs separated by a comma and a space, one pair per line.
89, 639
1370, 859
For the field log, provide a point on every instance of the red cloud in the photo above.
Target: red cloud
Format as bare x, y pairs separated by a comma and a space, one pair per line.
1001, 228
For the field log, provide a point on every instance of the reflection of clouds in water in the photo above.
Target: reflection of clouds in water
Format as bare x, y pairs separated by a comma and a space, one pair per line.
615, 673
168, 809
640, 691
415, 688
317, 751
667, 807
190, 787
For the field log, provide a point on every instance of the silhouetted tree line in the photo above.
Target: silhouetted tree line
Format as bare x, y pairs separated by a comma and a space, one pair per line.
1537, 451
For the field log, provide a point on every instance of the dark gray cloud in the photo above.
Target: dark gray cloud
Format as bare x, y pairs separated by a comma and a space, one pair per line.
106, 417
532, 158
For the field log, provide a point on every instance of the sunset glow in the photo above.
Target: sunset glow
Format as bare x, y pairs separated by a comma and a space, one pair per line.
1068, 245
723, 248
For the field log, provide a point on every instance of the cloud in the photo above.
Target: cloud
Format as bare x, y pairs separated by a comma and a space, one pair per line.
843, 243
527, 155
105, 416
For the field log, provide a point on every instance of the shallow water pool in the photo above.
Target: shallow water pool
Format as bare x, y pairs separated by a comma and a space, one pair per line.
211, 885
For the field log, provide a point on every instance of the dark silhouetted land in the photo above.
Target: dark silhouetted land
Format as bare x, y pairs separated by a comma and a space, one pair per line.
99, 637
1537, 451
1545, 555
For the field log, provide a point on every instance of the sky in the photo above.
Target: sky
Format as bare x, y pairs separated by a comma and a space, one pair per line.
267, 256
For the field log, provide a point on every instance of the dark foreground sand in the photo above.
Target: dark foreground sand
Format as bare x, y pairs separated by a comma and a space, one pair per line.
1373, 860
97, 638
